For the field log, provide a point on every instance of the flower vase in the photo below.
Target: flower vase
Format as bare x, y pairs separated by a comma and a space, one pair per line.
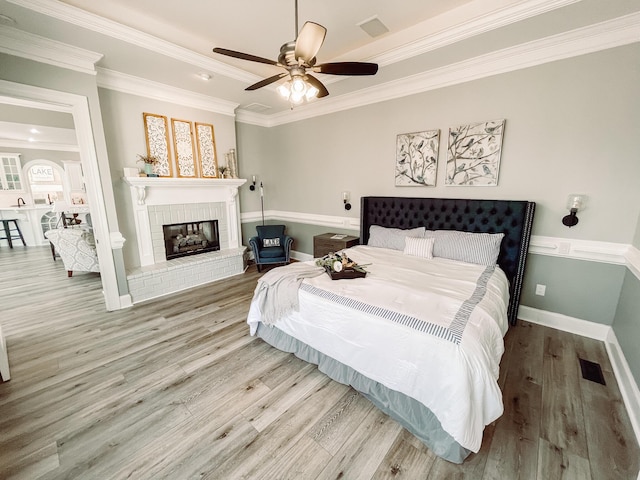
148, 168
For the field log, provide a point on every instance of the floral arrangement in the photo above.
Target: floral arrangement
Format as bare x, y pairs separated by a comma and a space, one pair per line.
339, 262
149, 159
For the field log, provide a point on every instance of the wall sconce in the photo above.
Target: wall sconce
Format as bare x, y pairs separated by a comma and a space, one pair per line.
575, 202
345, 199
252, 187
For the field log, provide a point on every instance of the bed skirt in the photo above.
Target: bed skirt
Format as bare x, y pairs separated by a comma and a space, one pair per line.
409, 413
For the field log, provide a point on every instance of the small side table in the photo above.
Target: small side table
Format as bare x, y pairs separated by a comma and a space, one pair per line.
323, 244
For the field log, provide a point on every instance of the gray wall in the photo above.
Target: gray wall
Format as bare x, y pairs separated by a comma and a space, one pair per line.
124, 131
576, 288
571, 126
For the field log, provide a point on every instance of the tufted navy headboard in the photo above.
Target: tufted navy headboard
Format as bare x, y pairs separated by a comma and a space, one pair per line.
511, 217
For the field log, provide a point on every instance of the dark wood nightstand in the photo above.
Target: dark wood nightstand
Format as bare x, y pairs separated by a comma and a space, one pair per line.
323, 244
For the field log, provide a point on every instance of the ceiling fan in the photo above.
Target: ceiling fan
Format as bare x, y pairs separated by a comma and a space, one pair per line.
298, 58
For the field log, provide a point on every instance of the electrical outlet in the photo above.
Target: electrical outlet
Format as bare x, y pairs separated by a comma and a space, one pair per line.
541, 290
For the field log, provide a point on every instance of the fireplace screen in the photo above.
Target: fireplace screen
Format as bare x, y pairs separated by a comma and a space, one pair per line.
191, 238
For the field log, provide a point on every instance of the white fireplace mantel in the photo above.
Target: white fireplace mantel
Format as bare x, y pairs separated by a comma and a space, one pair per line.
161, 186
146, 191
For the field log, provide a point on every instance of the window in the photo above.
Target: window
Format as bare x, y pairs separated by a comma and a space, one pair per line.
10, 172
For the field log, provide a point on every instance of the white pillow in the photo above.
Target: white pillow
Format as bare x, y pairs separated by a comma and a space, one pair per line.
419, 247
392, 238
479, 248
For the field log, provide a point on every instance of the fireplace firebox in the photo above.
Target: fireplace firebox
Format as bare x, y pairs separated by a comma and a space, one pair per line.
190, 238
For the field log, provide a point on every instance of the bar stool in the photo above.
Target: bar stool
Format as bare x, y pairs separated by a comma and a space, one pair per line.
9, 232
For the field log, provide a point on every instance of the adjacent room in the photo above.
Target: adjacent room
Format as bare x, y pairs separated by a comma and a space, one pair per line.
296, 239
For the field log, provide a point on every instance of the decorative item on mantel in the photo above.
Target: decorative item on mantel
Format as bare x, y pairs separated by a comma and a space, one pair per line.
232, 163
148, 161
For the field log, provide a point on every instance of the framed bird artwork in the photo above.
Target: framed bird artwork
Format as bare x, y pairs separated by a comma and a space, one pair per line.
417, 158
473, 154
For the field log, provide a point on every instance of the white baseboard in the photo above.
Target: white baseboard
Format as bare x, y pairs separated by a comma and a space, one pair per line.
564, 323
125, 301
300, 256
626, 381
621, 370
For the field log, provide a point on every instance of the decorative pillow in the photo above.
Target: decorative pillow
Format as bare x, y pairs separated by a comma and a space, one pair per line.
271, 242
392, 238
479, 248
419, 247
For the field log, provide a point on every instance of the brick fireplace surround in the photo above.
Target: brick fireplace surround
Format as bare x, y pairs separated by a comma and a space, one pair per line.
160, 201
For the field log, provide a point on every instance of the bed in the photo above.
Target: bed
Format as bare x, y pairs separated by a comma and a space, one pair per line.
420, 337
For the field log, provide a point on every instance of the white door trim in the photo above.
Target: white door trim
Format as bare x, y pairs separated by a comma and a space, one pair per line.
78, 106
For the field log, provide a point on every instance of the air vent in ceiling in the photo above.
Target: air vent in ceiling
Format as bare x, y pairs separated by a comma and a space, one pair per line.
373, 26
257, 107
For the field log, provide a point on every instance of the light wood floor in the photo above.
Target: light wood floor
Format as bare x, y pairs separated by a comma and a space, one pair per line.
176, 388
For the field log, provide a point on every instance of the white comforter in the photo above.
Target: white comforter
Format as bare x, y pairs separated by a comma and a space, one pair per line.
431, 329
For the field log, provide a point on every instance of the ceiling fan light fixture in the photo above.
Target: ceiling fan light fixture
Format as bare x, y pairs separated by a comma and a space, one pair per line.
297, 97
312, 92
298, 59
298, 85
285, 90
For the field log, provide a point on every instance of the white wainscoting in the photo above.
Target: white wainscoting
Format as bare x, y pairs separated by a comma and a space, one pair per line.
577, 249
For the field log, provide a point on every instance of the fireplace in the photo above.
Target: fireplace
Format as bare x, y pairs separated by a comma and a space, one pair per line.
190, 238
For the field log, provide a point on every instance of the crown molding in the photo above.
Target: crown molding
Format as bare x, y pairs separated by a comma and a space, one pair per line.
448, 35
613, 33
20, 144
34, 47
95, 23
125, 83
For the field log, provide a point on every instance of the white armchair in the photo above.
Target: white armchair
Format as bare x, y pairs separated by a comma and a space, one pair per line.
77, 249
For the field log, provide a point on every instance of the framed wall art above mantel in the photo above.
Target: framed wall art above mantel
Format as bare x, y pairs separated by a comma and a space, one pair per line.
207, 156
156, 130
186, 165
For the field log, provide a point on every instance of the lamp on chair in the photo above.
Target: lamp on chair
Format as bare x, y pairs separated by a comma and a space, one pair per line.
575, 202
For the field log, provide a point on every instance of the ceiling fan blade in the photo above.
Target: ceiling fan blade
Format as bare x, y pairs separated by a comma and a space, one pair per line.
244, 56
347, 68
267, 81
309, 41
322, 90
